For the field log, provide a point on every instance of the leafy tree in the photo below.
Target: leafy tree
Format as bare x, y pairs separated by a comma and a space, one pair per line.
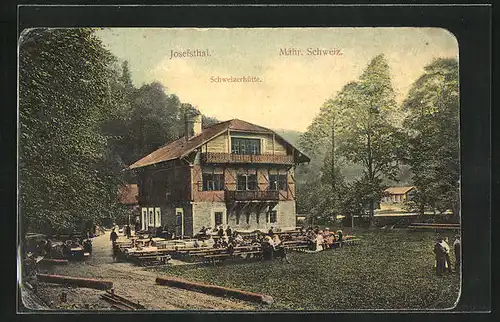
369, 135
156, 120
362, 117
63, 100
207, 120
432, 129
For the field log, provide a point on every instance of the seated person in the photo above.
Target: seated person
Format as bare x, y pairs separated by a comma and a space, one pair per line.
276, 241
269, 240
319, 242
238, 239
209, 241
150, 242
326, 235
330, 240
230, 248
340, 234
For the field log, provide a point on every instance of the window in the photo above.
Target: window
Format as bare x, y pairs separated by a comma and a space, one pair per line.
272, 216
157, 217
144, 218
278, 182
151, 218
245, 146
218, 218
257, 215
178, 218
246, 182
252, 182
213, 182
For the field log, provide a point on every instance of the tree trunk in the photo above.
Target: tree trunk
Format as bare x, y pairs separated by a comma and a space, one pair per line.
371, 178
372, 213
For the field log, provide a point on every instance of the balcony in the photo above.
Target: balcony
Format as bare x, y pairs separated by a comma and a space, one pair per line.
251, 195
216, 157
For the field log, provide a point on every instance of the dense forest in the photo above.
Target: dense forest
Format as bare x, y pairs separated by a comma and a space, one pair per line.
82, 121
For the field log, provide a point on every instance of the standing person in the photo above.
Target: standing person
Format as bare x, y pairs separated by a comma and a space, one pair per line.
137, 227
440, 256
457, 250
48, 248
229, 232
319, 241
340, 238
113, 237
128, 231
221, 232
271, 231
446, 248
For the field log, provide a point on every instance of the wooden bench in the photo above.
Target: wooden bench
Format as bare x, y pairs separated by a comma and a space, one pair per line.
152, 259
348, 242
297, 248
412, 227
215, 257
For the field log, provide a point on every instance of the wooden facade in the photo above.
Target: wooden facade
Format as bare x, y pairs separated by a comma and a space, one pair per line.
218, 182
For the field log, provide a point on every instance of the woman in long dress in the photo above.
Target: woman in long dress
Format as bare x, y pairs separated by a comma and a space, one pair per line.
319, 241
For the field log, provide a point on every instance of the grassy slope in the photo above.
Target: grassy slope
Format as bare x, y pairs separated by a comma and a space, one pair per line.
387, 270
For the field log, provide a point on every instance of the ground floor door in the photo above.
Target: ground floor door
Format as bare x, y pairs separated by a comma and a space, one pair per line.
179, 222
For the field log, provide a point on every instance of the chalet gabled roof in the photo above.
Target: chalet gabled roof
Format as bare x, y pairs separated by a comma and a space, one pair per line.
182, 146
399, 190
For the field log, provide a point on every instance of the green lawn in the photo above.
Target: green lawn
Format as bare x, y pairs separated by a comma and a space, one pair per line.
386, 270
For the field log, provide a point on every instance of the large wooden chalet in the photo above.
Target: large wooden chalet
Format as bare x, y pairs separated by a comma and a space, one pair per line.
231, 173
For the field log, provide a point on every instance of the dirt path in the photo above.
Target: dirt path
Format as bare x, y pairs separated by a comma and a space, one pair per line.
131, 281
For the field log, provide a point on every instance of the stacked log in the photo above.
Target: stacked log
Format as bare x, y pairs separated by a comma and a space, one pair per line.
214, 289
75, 281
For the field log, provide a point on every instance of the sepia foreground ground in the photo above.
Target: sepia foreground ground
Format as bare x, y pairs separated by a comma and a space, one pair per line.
130, 281
386, 270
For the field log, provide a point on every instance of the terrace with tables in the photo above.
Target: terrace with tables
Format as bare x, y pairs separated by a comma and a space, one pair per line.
147, 250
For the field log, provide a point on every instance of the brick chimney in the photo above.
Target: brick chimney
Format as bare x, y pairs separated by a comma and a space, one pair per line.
192, 124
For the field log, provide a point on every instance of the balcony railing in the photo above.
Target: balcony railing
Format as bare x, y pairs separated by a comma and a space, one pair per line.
217, 157
249, 195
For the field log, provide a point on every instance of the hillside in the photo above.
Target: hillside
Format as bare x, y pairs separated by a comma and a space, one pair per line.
349, 171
